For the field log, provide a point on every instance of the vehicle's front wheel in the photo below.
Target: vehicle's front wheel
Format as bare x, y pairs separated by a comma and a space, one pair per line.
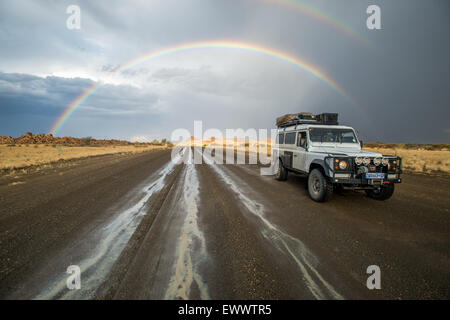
385, 192
281, 173
319, 188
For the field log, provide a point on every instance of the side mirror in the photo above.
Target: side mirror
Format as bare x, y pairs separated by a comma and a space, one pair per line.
361, 143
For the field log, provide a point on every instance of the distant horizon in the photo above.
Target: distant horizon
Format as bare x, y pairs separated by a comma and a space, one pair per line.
196, 138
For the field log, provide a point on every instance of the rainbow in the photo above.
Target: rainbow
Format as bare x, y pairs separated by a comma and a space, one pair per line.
322, 17
201, 45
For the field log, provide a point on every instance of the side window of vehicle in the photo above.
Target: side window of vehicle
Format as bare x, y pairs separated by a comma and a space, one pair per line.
290, 138
281, 138
301, 140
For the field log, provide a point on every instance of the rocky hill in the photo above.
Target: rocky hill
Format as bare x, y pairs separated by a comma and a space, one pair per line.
49, 139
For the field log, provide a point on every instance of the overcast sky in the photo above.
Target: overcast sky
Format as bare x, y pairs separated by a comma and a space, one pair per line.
399, 76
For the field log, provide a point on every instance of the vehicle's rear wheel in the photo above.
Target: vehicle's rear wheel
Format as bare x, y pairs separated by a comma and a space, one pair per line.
385, 192
281, 173
319, 188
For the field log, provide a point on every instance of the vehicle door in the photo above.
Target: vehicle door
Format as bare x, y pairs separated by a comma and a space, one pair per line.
300, 151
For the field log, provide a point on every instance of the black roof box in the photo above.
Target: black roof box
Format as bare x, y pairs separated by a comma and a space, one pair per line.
307, 118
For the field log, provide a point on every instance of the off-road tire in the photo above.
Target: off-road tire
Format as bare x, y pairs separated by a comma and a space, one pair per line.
386, 191
281, 173
319, 188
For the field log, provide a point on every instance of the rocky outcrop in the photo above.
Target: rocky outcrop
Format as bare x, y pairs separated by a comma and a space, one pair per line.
30, 138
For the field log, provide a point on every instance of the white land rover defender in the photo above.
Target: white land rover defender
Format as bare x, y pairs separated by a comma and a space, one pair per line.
331, 156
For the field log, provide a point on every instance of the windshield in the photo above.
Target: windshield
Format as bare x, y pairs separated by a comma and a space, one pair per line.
332, 135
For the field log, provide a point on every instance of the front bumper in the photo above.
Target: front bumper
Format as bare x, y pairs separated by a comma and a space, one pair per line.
364, 182
353, 177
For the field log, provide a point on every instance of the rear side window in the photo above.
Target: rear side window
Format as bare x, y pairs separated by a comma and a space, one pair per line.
290, 138
281, 138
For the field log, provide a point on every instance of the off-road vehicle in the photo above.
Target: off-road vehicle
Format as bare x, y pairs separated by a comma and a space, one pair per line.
331, 156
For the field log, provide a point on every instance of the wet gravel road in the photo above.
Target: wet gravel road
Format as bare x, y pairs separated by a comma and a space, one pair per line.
143, 227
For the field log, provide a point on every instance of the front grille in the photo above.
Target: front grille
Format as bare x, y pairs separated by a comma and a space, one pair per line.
379, 168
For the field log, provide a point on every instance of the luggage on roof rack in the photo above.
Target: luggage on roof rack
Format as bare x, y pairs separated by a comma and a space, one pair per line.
307, 118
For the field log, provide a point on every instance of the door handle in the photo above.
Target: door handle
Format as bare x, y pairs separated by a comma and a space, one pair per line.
295, 156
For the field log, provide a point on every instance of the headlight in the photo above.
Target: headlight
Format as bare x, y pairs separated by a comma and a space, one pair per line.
366, 161
385, 161
392, 165
359, 160
343, 164
377, 161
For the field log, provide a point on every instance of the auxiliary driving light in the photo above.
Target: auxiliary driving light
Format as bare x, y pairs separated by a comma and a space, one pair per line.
366, 161
359, 161
385, 161
377, 161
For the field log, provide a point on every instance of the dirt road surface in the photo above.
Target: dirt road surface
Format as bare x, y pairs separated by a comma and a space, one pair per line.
143, 227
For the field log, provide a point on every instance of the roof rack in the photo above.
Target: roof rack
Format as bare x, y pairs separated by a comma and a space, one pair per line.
307, 118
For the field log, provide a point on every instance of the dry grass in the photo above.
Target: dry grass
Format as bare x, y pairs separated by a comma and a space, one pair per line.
425, 161
408, 146
19, 156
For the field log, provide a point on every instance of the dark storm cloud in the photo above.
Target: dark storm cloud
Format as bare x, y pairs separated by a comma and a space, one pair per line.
22, 93
23, 96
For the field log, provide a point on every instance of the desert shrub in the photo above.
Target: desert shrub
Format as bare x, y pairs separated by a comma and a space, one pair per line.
372, 145
86, 141
439, 146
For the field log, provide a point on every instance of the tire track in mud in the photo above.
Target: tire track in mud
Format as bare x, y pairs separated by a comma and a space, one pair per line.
166, 255
191, 248
285, 243
115, 236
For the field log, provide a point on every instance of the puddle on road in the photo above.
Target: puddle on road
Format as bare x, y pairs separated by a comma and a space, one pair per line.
191, 248
285, 243
115, 236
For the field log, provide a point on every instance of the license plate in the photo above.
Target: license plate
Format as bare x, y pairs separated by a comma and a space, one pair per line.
374, 175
